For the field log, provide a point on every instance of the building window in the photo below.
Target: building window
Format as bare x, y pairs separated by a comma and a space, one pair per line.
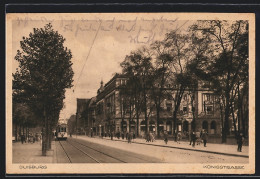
208, 97
209, 109
184, 109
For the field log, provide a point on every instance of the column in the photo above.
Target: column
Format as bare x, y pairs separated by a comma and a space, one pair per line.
139, 128
127, 125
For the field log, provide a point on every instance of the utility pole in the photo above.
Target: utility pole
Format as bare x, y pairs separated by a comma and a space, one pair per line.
76, 123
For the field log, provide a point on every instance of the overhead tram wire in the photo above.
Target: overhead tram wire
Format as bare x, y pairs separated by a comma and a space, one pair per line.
87, 56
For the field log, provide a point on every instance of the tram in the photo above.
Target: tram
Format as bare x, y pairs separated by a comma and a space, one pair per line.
61, 132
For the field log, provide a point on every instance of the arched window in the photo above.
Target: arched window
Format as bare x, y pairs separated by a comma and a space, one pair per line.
160, 123
123, 126
185, 126
142, 125
151, 126
169, 127
205, 125
213, 127
133, 126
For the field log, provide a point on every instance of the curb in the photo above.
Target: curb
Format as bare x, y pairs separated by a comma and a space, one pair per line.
192, 149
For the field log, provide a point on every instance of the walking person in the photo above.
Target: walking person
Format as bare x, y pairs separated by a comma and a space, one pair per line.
179, 137
151, 137
204, 137
148, 137
129, 137
165, 137
123, 136
240, 140
190, 137
193, 138
111, 135
22, 139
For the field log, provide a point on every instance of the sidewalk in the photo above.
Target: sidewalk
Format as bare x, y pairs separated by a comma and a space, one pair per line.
32, 153
223, 149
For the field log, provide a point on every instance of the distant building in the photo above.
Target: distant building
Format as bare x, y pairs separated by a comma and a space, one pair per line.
82, 116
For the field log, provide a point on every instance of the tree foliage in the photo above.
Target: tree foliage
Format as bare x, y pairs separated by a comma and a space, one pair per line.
45, 71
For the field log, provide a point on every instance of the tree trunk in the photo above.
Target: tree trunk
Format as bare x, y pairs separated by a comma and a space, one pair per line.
234, 120
20, 132
158, 119
16, 133
137, 125
226, 124
145, 112
44, 147
50, 137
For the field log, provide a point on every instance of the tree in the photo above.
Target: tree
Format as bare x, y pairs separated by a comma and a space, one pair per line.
161, 74
45, 71
226, 55
178, 53
138, 66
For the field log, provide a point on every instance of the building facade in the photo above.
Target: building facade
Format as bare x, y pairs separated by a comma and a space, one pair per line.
104, 113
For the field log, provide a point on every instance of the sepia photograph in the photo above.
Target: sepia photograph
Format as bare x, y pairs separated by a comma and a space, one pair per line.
130, 93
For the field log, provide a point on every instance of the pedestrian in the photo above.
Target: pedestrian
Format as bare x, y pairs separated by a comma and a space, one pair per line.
152, 137
240, 140
190, 134
123, 136
204, 137
134, 135
193, 138
118, 135
148, 137
198, 137
129, 137
165, 137
179, 137
40, 136
111, 135
22, 138
126, 136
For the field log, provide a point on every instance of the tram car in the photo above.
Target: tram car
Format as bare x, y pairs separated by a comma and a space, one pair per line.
61, 132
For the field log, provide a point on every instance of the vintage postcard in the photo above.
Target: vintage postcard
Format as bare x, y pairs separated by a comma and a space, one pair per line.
159, 93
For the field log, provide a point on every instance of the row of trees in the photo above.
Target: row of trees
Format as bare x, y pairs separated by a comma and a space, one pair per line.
40, 81
212, 51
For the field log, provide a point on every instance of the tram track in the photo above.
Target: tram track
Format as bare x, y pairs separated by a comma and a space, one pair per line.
65, 151
148, 161
74, 145
96, 151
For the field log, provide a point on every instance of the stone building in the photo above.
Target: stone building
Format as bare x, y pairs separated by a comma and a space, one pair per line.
104, 112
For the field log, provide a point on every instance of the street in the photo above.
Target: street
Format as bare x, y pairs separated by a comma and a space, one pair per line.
95, 150
80, 151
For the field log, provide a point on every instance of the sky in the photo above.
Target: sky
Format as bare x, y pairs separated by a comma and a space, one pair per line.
98, 46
